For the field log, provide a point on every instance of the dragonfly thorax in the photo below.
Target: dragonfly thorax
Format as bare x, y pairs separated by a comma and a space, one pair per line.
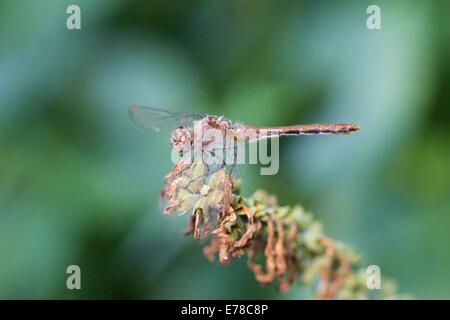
181, 139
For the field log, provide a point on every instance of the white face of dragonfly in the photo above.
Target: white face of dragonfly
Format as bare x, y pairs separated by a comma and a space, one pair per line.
181, 139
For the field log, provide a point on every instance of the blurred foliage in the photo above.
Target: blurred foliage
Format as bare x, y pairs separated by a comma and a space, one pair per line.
79, 183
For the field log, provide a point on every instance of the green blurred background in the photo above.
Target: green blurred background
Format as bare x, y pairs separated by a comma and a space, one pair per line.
79, 182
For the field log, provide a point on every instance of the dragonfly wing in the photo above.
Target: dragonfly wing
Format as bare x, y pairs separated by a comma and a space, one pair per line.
232, 158
159, 120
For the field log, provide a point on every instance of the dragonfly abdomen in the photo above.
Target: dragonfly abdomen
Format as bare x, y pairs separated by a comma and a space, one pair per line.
309, 129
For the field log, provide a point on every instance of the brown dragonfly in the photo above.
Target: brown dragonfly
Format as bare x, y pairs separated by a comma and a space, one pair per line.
182, 123
193, 133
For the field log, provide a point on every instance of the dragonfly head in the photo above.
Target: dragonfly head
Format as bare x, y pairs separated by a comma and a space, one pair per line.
181, 139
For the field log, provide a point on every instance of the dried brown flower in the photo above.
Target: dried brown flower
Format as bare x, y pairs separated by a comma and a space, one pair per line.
289, 243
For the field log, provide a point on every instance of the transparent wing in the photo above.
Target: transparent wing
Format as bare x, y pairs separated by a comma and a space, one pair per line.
160, 120
233, 158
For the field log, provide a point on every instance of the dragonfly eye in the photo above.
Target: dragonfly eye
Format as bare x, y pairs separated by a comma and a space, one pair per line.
181, 139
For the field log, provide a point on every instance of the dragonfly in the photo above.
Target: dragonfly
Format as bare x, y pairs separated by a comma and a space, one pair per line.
181, 124
204, 183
